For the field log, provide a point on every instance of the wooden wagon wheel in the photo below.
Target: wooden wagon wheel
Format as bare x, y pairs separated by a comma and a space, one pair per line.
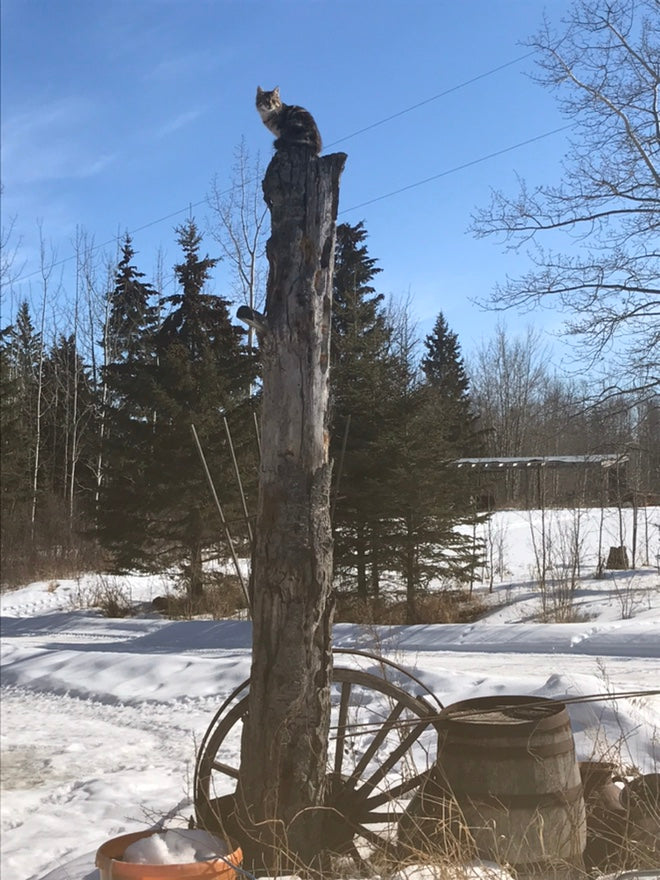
382, 745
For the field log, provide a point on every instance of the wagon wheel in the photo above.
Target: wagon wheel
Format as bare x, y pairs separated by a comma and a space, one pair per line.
382, 745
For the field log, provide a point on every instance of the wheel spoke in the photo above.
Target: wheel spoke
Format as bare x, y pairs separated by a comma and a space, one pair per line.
378, 840
384, 768
380, 818
367, 808
396, 791
225, 768
376, 742
341, 725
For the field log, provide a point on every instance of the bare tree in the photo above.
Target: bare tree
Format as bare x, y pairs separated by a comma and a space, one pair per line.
47, 262
100, 380
240, 229
508, 378
81, 245
604, 66
9, 248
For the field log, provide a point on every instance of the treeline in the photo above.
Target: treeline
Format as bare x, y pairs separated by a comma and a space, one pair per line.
101, 466
527, 409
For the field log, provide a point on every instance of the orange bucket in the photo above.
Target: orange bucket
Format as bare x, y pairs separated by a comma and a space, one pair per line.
111, 867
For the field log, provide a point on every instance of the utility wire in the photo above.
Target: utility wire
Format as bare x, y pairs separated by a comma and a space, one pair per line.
373, 125
462, 85
456, 168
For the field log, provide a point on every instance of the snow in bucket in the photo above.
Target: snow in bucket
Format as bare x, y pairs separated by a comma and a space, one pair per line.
173, 854
178, 846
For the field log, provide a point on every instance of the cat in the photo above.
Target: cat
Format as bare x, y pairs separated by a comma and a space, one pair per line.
293, 125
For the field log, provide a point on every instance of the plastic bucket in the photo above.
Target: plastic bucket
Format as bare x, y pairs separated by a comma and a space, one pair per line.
111, 867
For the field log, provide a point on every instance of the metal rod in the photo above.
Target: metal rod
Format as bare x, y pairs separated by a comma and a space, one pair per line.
368, 727
340, 468
246, 515
256, 432
222, 516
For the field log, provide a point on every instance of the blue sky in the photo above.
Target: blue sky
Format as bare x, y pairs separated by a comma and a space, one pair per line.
116, 113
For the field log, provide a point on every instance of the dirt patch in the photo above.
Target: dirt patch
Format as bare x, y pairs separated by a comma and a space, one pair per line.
25, 767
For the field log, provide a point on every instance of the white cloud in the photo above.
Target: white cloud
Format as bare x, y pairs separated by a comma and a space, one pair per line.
177, 122
51, 141
184, 65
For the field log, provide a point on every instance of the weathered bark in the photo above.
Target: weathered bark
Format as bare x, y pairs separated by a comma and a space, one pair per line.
283, 753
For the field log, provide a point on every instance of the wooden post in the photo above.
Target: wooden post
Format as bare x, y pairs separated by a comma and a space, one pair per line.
284, 744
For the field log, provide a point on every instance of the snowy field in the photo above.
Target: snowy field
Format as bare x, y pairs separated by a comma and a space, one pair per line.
101, 718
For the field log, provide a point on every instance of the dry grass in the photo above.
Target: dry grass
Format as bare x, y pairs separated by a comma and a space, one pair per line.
622, 835
455, 606
110, 595
222, 598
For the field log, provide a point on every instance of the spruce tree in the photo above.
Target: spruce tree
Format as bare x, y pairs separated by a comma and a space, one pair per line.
132, 316
429, 424
203, 377
25, 347
129, 413
360, 344
20, 355
448, 385
15, 456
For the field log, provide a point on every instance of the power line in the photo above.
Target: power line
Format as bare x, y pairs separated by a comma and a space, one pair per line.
456, 168
373, 125
462, 85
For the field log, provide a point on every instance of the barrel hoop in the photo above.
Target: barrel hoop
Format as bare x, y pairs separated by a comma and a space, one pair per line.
513, 801
562, 746
521, 717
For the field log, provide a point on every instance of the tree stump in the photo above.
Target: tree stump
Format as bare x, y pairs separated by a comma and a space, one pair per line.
617, 559
284, 743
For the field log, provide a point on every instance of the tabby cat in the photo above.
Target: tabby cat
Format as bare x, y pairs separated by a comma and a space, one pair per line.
293, 125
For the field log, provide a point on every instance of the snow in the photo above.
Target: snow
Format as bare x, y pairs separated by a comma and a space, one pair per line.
102, 718
175, 847
480, 871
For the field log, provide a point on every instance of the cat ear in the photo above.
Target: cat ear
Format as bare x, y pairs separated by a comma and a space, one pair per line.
276, 91
260, 91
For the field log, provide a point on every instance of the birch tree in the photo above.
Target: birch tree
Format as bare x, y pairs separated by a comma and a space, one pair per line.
593, 238
240, 226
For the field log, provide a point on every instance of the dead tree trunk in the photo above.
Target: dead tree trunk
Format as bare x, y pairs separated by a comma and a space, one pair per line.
284, 745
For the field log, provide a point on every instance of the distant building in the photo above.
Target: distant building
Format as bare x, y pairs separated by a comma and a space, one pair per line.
553, 480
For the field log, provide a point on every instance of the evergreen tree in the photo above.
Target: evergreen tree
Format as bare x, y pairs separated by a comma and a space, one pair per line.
132, 316
15, 458
360, 344
130, 414
20, 353
448, 384
399, 499
429, 499
25, 346
203, 376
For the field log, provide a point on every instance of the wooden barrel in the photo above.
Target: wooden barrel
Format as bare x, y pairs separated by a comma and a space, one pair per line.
508, 764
